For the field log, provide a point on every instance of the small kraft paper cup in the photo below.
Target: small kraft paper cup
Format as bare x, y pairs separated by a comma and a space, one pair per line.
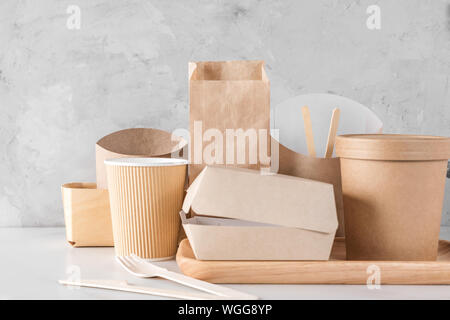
146, 195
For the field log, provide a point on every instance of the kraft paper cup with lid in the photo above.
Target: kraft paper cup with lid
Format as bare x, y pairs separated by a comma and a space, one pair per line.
146, 195
393, 189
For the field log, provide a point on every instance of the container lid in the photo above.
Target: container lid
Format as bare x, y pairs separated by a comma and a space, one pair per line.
145, 162
392, 147
273, 199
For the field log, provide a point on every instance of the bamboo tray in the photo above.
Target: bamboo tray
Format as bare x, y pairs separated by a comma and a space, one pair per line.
335, 271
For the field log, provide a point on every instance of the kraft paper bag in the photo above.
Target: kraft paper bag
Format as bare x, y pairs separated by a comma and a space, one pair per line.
229, 115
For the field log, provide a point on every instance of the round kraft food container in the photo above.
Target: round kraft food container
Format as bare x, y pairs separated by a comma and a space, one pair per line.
393, 190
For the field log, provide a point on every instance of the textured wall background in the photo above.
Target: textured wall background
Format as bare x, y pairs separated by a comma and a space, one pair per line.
61, 89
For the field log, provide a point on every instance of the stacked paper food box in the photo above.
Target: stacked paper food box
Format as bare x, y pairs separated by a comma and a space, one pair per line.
241, 214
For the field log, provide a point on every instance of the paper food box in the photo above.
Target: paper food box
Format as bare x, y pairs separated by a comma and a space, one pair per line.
87, 215
241, 214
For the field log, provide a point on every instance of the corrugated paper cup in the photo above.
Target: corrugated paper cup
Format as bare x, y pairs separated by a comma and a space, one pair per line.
146, 195
393, 188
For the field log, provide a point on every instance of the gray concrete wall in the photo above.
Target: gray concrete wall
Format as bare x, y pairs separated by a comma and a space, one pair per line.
62, 89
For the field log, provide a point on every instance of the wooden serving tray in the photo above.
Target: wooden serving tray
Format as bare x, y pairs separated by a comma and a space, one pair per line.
335, 271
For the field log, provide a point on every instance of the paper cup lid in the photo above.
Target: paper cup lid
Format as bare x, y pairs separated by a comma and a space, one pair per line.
146, 162
392, 147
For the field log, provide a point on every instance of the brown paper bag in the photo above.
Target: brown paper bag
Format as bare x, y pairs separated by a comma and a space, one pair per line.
229, 115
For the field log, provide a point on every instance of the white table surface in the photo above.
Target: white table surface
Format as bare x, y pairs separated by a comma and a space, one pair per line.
32, 260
